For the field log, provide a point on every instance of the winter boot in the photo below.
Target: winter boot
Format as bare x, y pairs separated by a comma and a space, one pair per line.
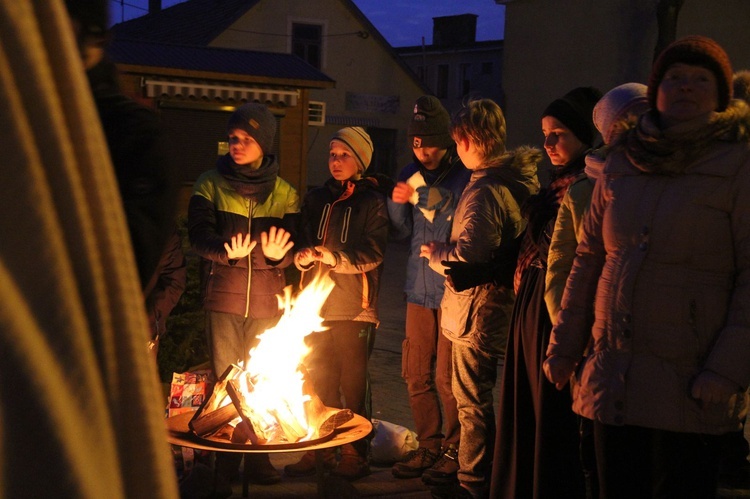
414, 463
353, 465
306, 465
445, 470
259, 470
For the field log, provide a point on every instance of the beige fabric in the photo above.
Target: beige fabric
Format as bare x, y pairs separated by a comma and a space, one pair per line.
80, 408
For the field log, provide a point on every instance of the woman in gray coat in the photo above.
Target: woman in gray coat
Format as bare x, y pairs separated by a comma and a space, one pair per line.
664, 267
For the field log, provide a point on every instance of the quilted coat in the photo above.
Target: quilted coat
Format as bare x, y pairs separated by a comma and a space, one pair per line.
488, 215
665, 261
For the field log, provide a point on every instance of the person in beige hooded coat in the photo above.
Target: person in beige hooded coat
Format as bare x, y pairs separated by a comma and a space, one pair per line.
665, 262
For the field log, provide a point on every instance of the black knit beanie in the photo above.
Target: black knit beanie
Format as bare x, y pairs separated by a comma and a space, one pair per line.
574, 110
259, 123
695, 50
429, 125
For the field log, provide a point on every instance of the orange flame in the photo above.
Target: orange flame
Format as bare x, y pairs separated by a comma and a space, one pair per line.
271, 383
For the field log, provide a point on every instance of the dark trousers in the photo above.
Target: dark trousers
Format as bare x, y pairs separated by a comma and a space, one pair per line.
231, 337
426, 368
337, 365
588, 457
636, 462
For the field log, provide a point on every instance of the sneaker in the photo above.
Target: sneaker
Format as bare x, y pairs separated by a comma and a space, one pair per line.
260, 470
414, 463
445, 470
352, 465
306, 465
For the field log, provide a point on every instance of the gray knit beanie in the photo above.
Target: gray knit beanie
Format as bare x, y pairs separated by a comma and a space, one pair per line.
259, 123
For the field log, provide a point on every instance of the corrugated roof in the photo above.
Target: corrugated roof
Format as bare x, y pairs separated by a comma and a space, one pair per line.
196, 22
214, 60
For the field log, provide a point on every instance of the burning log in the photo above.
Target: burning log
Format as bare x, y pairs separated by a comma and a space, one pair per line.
217, 410
253, 424
325, 419
268, 399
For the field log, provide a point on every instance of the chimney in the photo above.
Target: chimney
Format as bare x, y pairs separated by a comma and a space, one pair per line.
454, 30
154, 6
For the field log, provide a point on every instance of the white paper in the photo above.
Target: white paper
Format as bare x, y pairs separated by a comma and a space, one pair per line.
417, 180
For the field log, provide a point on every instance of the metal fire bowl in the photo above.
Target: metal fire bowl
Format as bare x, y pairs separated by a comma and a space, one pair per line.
180, 434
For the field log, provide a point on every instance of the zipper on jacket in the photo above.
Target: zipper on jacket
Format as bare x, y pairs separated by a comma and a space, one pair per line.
325, 220
249, 258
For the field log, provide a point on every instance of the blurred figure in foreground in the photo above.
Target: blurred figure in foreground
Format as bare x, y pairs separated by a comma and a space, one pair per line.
78, 384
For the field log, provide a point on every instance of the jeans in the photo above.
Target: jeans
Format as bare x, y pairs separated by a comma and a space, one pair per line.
474, 377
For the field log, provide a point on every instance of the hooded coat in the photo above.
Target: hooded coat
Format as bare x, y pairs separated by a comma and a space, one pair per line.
665, 261
488, 218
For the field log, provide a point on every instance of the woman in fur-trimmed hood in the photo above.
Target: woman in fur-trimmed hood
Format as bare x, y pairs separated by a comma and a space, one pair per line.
665, 261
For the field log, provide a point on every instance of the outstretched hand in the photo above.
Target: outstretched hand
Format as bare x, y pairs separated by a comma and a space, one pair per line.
324, 255
240, 247
275, 243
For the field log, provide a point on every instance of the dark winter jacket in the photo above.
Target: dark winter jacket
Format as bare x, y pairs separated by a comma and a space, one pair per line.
166, 286
423, 286
488, 216
146, 177
217, 211
351, 220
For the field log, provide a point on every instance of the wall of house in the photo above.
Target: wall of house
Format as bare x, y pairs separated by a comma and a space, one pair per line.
552, 46
371, 88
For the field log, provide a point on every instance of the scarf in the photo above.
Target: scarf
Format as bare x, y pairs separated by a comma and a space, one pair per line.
541, 211
670, 151
254, 184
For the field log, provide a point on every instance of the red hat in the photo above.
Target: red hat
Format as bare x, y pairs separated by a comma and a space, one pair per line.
695, 50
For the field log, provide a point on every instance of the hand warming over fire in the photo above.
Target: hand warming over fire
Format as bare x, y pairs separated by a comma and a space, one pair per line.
275, 243
240, 247
323, 254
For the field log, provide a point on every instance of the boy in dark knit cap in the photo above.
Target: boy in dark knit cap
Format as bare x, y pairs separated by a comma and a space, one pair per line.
241, 202
421, 208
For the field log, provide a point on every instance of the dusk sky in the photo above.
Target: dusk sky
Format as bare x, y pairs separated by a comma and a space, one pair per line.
401, 22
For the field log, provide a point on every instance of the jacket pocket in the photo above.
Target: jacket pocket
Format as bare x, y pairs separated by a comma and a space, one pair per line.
456, 311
